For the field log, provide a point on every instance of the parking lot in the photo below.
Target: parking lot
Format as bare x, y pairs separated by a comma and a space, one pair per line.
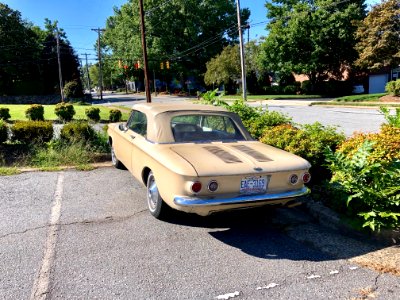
87, 235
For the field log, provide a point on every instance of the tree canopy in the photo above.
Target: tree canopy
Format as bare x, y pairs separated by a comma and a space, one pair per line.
379, 36
187, 33
311, 37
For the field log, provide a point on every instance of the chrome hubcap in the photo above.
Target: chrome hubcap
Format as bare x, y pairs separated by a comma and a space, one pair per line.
152, 194
113, 158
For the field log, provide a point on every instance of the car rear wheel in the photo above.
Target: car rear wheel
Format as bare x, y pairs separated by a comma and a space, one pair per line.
115, 162
156, 204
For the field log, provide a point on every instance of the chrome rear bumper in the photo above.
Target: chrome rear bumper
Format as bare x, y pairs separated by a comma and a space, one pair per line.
195, 201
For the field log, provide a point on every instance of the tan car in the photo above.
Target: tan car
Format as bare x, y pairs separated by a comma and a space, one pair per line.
201, 159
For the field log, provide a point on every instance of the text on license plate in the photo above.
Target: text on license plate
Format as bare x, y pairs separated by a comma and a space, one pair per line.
252, 185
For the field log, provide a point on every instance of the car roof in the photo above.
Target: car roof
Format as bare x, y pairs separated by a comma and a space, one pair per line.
157, 108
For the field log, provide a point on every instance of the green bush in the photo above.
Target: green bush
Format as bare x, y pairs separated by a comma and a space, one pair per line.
73, 89
394, 119
115, 115
35, 112
369, 188
4, 113
77, 131
93, 114
64, 111
308, 141
29, 132
256, 119
3, 131
290, 90
393, 87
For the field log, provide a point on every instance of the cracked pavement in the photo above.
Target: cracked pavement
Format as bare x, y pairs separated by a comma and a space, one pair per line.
106, 245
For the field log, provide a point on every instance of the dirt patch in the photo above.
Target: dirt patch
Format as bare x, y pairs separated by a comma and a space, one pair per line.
384, 261
389, 98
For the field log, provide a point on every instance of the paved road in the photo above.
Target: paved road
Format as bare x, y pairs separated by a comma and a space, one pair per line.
87, 235
348, 120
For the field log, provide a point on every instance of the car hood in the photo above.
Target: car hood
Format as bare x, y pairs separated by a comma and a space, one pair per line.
217, 158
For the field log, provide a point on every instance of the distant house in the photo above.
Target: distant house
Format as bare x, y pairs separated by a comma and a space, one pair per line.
378, 80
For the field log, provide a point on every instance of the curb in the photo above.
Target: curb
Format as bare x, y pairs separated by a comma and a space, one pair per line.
330, 219
63, 168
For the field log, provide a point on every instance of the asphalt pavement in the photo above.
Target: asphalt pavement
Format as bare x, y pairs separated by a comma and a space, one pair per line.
87, 235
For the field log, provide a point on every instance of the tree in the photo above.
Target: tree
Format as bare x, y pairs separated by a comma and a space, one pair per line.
312, 37
225, 68
19, 52
379, 36
187, 33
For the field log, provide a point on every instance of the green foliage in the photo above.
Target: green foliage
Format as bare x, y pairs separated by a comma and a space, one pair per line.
64, 111
77, 131
372, 187
73, 89
309, 141
115, 115
3, 131
4, 113
93, 114
378, 36
393, 87
393, 120
29, 132
300, 37
35, 112
211, 98
256, 119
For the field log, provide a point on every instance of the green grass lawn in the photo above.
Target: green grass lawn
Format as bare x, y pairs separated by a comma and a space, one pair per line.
269, 97
17, 112
360, 98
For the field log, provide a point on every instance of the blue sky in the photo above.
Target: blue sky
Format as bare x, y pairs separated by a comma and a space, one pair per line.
78, 17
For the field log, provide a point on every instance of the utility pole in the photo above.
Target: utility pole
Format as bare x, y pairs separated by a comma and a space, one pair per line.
242, 61
59, 66
145, 63
99, 31
87, 73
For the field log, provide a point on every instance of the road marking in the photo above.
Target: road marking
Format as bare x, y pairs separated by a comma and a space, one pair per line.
40, 287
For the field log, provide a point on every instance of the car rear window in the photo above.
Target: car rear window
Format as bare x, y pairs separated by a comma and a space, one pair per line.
204, 128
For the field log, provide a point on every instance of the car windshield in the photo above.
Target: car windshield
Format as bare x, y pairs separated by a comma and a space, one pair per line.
204, 128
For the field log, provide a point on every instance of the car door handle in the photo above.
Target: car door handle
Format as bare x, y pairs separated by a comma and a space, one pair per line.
133, 137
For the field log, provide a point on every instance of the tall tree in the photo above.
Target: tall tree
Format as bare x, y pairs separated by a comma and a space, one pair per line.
379, 36
312, 37
187, 33
19, 51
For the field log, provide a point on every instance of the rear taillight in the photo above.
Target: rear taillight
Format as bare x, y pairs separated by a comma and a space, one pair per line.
213, 186
306, 177
293, 179
196, 187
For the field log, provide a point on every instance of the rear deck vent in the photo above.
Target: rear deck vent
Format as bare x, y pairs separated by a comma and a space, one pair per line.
253, 153
222, 154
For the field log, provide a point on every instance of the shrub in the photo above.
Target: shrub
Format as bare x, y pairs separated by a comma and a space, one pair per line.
211, 98
64, 111
35, 112
306, 87
73, 89
290, 90
308, 141
3, 131
385, 148
115, 115
371, 188
93, 114
393, 120
77, 131
257, 120
4, 113
29, 132
393, 87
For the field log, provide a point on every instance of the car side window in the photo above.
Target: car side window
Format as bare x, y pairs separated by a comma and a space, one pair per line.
138, 123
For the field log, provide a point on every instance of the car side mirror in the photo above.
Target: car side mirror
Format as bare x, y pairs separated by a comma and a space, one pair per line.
122, 127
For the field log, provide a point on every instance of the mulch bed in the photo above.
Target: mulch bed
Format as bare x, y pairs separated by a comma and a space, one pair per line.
389, 98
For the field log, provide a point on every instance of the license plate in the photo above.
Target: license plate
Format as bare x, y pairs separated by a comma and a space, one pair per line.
254, 185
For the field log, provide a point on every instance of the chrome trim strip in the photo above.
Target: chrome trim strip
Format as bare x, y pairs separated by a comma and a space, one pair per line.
195, 201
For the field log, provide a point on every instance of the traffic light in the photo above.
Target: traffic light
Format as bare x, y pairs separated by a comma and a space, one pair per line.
162, 66
119, 63
167, 64
138, 64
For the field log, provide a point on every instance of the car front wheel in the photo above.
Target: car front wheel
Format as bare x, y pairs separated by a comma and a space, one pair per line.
156, 204
115, 162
